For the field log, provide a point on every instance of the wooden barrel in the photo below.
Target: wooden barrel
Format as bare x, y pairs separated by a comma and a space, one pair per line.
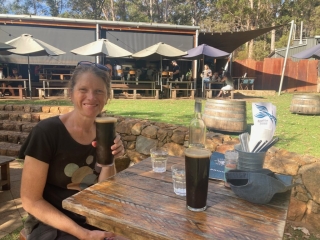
305, 104
225, 115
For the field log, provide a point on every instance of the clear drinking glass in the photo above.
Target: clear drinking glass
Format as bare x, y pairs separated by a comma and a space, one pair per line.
179, 179
159, 157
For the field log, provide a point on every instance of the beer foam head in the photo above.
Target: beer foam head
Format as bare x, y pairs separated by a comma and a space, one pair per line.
197, 153
106, 120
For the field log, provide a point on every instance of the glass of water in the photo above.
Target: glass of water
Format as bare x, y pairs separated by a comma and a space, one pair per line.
159, 157
179, 179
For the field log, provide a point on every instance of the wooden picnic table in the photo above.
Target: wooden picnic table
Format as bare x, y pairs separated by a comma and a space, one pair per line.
57, 84
140, 204
19, 80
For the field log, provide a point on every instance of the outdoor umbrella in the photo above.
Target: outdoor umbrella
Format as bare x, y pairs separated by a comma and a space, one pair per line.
4, 46
101, 47
313, 52
158, 51
205, 50
27, 45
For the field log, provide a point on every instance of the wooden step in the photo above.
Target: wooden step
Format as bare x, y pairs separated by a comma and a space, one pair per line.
17, 126
13, 137
9, 149
25, 117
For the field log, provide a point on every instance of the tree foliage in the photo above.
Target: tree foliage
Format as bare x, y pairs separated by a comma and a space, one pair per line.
210, 15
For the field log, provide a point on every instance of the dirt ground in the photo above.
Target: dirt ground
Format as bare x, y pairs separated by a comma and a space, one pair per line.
297, 231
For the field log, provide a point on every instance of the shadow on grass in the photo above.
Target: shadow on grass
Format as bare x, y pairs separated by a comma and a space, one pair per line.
157, 117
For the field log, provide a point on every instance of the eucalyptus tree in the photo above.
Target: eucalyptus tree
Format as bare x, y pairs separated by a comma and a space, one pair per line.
90, 9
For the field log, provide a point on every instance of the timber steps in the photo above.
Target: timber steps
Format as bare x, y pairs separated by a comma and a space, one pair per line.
17, 121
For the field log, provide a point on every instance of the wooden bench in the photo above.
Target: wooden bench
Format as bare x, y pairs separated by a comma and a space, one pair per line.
173, 92
41, 91
5, 171
20, 88
134, 88
229, 93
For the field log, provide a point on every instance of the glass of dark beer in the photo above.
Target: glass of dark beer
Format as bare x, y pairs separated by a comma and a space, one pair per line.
197, 165
105, 135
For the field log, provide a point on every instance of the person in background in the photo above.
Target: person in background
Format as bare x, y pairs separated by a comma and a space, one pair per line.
176, 71
206, 75
59, 160
229, 83
8, 85
37, 73
216, 77
150, 73
108, 65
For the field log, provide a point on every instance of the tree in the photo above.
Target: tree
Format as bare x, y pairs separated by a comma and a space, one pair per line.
90, 9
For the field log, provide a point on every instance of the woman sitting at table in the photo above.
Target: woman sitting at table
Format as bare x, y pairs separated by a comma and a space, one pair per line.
206, 75
229, 83
59, 160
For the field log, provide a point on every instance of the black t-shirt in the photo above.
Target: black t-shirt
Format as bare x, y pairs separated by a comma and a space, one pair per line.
177, 75
71, 164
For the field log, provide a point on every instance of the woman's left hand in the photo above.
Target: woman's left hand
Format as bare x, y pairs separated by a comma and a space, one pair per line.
117, 147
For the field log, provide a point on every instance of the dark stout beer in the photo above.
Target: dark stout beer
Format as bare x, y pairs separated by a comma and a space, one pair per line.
197, 163
105, 135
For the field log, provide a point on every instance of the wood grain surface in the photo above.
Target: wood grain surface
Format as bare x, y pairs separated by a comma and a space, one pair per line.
140, 204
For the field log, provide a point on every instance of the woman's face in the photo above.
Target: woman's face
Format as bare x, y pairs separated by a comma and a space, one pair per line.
206, 67
89, 95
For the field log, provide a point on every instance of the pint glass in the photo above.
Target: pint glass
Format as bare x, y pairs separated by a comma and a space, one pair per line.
197, 164
105, 135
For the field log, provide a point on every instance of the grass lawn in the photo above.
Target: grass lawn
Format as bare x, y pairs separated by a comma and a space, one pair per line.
297, 133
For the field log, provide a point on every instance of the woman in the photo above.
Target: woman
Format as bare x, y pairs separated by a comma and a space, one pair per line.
59, 160
229, 83
206, 75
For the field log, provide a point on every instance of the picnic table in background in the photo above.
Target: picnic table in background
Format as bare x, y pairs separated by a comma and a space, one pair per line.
19, 80
140, 204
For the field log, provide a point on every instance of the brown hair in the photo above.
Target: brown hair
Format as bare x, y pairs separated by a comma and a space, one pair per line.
104, 75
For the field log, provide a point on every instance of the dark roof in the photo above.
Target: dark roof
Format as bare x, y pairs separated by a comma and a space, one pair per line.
230, 41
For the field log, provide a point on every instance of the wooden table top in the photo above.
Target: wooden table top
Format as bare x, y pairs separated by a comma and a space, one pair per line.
140, 204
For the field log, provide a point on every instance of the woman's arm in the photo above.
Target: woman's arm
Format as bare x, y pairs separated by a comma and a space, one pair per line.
34, 177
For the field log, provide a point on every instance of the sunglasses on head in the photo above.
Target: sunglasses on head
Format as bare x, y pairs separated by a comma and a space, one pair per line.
87, 63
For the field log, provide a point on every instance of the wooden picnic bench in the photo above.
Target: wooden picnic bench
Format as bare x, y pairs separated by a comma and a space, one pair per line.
22, 89
5, 171
133, 87
141, 204
42, 91
208, 93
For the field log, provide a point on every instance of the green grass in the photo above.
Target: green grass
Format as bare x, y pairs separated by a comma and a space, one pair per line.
297, 133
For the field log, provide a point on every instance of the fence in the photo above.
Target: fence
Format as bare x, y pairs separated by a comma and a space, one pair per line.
301, 76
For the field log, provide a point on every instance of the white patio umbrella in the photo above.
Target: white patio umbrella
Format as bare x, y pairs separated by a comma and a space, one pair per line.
158, 51
101, 47
27, 45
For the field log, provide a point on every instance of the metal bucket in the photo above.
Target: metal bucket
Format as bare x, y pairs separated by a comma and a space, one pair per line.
249, 161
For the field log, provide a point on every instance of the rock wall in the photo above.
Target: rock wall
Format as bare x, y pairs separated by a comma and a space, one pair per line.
139, 136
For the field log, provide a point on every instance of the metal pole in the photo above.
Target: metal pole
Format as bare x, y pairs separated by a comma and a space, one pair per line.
285, 58
30, 91
97, 37
195, 63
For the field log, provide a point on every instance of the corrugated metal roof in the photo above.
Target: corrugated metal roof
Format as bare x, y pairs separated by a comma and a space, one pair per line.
296, 48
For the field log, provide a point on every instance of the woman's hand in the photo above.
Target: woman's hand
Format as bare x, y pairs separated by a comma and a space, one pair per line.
117, 148
99, 235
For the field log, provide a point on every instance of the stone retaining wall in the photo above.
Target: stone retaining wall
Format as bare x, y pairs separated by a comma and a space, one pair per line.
141, 135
